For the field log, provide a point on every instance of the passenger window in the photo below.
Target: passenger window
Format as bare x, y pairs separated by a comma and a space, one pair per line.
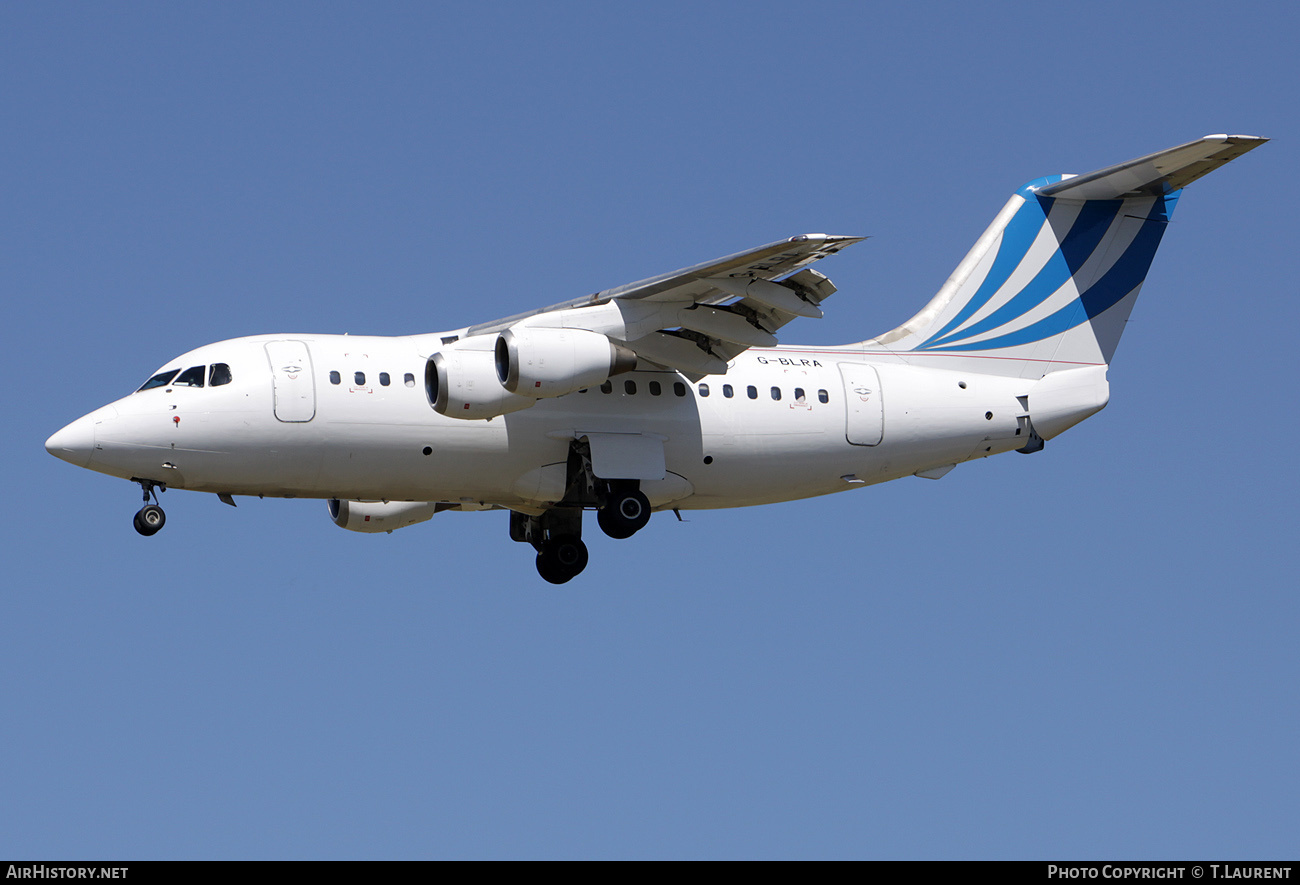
220, 375
752, 391
655, 389
776, 393
799, 395
159, 380
359, 378
607, 387
192, 377
335, 378
679, 388
727, 391
630, 387
823, 396
409, 380
384, 379
704, 390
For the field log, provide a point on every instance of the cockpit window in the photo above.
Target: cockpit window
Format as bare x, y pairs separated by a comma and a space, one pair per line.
159, 380
191, 377
220, 375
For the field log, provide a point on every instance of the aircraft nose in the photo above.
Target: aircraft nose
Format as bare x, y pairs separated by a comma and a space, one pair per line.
74, 443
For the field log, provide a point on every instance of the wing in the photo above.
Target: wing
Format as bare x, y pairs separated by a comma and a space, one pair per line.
698, 318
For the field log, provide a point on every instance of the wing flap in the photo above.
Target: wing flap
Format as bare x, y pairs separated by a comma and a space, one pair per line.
682, 353
768, 294
725, 324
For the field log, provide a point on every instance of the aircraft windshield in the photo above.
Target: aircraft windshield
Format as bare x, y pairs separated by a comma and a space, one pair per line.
160, 379
217, 375
192, 377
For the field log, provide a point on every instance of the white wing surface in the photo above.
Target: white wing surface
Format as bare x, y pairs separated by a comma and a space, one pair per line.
698, 318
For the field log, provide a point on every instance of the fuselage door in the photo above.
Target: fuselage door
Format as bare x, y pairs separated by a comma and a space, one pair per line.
293, 382
864, 418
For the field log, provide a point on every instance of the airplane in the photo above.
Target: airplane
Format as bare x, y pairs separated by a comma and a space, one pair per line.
667, 394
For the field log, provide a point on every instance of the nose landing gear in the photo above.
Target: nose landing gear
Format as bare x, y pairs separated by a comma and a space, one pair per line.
150, 519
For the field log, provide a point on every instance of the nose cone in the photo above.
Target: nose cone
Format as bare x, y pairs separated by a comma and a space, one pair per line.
74, 443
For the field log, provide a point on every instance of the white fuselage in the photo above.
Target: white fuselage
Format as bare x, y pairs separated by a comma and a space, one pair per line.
301, 433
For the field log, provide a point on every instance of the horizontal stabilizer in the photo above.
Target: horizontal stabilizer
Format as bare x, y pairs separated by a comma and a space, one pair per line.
1155, 174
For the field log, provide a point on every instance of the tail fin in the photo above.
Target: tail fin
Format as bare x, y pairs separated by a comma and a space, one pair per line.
1050, 284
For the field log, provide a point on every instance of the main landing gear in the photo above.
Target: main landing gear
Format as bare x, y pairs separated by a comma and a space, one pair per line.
557, 537
150, 519
626, 510
562, 559
622, 510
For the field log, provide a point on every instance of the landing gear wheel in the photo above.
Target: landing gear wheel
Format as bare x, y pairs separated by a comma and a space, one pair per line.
611, 525
624, 514
150, 519
562, 559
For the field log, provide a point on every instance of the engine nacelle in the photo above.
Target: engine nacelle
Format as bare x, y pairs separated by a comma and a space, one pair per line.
379, 516
463, 384
541, 363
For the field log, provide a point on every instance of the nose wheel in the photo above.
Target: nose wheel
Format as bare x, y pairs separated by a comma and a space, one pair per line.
150, 519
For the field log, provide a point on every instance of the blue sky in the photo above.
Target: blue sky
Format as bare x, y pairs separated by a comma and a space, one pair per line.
1086, 653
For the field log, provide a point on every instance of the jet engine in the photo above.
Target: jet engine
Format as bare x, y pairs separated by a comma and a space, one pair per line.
378, 516
542, 363
463, 384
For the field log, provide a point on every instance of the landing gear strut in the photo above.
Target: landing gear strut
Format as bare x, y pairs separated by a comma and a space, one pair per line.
150, 519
